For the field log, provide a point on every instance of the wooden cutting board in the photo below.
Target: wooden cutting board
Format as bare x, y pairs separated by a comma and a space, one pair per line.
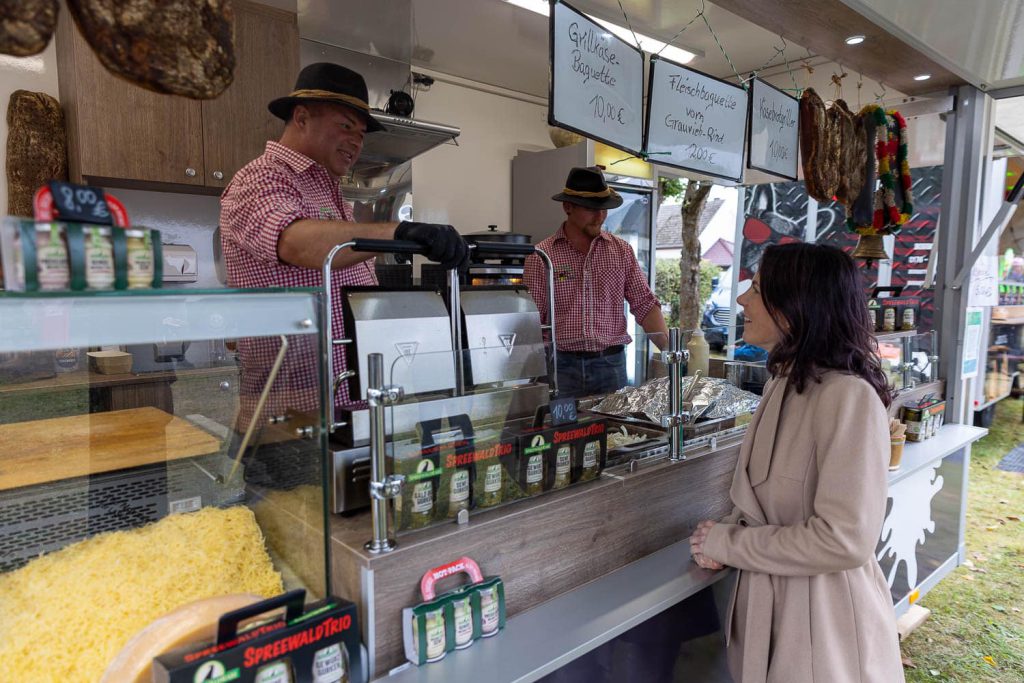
60, 448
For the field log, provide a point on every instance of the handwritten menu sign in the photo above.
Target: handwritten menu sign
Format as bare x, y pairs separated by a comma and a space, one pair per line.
772, 146
695, 121
596, 81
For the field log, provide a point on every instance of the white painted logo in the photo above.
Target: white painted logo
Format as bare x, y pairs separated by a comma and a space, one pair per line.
908, 522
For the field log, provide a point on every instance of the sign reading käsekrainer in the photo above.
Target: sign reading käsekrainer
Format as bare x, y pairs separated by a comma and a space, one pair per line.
695, 121
596, 81
774, 133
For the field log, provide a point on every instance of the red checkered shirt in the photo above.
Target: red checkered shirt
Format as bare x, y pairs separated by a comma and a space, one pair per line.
589, 290
265, 197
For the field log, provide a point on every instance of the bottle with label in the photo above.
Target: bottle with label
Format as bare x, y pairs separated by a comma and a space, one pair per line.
463, 614
99, 259
458, 492
435, 637
908, 318
889, 319
141, 264
489, 611
492, 480
590, 460
54, 269
330, 665
563, 467
699, 353
277, 672
422, 500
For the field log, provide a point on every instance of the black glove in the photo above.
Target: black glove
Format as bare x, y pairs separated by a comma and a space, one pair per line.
444, 244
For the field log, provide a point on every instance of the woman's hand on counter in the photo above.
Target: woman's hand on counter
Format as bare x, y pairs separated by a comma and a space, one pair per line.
697, 539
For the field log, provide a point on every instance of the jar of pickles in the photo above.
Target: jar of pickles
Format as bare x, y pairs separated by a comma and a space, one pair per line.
99, 259
54, 270
141, 263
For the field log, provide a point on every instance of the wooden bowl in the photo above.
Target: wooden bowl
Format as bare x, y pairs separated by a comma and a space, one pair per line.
110, 362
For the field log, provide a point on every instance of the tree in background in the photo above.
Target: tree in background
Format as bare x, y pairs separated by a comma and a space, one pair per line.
688, 302
666, 285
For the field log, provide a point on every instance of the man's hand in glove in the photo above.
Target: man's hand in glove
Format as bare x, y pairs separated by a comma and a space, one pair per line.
443, 242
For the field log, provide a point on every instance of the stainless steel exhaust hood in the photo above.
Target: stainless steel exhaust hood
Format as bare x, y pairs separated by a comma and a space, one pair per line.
375, 39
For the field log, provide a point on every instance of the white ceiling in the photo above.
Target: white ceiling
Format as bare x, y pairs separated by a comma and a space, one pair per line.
494, 42
982, 41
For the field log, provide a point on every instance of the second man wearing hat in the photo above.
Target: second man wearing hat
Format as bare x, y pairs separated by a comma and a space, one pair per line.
595, 272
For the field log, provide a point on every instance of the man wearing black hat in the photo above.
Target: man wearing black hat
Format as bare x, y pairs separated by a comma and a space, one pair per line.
284, 211
595, 272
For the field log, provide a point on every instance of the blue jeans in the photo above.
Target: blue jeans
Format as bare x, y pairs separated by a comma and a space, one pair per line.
588, 376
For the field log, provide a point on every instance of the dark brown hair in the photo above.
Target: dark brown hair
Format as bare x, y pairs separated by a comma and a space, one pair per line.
816, 296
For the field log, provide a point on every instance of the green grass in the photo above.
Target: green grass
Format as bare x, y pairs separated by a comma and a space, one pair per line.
978, 611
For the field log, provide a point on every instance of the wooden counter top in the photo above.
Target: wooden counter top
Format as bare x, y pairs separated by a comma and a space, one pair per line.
541, 547
40, 451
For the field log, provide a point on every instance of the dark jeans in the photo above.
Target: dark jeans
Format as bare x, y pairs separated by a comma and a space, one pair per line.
588, 376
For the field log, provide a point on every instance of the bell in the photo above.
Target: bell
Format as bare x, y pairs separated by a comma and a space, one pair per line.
870, 247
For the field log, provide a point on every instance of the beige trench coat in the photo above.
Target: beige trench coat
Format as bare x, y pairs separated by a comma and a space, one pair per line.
811, 604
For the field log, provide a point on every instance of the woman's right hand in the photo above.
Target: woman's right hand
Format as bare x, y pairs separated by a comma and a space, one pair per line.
697, 546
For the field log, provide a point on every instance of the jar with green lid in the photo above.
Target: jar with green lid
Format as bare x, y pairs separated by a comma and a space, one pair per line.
563, 467
141, 264
54, 270
99, 259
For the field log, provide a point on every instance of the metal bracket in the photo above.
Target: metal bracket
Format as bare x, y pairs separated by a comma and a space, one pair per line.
675, 357
385, 396
391, 487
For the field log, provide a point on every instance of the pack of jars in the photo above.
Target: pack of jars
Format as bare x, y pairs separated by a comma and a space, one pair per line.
56, 257
455, 619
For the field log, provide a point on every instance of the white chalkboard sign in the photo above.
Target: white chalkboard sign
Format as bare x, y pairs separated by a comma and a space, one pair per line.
596, 81
774, 132
695, 121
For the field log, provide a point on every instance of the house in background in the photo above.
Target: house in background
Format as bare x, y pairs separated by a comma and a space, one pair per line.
712, 227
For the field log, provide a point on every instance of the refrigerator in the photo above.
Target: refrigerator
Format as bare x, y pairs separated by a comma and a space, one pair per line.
536, 176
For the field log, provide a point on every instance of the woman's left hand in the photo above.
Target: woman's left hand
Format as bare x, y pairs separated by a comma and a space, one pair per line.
697, 540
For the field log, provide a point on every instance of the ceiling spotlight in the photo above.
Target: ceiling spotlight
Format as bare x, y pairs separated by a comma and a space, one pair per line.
855, 40
922, 77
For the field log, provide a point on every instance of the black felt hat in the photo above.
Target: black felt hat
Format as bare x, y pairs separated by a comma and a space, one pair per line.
587, 187
326, 82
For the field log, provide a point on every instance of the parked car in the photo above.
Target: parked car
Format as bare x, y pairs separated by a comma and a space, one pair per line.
718, 314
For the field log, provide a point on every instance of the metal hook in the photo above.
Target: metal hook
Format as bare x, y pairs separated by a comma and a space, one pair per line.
879, 97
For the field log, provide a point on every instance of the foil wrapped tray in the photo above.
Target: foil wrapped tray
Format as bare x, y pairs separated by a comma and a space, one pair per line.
713, 399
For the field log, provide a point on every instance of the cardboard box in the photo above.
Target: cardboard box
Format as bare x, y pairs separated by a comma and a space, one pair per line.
317, 645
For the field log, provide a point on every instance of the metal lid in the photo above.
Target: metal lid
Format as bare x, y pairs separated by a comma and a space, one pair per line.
492, 234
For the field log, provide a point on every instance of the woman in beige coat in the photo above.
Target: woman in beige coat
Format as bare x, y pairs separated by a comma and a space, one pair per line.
811, 604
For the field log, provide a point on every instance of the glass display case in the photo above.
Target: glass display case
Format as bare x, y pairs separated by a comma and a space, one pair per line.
907, 358
156, 448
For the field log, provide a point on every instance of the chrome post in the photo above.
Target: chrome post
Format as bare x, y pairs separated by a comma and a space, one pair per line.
673, 422
329, 383
551, 319
455, 305
933, 359
908, 365
381, 487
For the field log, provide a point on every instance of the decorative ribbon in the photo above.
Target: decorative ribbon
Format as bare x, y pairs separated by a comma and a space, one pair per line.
330, 95
606, 192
